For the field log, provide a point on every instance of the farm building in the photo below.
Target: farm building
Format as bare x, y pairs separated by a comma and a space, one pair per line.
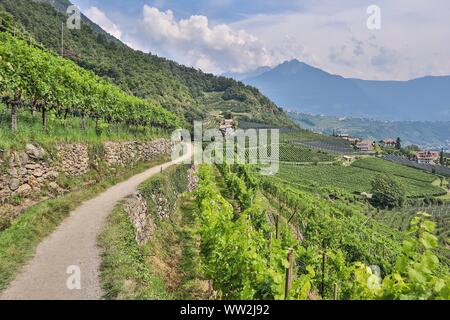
388, 143
366, 146
427, 157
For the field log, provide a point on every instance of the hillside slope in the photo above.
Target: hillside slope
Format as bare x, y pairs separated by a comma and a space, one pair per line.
301, 87
428, 135
185, 91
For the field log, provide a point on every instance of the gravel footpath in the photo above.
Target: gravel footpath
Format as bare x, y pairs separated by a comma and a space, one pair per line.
71, 246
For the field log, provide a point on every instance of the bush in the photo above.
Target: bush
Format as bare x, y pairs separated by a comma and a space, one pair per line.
387, 192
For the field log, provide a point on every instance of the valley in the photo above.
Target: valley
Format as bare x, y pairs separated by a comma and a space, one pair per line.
103, 195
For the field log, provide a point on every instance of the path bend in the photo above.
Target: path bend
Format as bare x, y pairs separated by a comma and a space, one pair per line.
74, 243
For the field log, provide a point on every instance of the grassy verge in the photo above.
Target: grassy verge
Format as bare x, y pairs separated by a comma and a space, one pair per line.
19, 241
124, 273
167, 267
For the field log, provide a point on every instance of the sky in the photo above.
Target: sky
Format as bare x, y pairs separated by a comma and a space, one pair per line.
412, 38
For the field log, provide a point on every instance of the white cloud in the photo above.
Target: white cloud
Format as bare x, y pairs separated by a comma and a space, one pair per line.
412, 42
100, 18
195, 42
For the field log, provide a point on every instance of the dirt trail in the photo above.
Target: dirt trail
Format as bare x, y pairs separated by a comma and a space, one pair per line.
74, 243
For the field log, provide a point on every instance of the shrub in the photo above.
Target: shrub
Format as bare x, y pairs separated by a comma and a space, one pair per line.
387, 192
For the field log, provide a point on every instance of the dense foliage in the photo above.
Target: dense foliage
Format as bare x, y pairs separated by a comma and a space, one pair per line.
332, 242
238, 254
387, 193
39, 80
417, 275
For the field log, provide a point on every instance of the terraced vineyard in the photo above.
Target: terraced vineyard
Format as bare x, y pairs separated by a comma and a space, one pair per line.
320, 142
300, 153
399, 219
445, 171
351, 179
391, 168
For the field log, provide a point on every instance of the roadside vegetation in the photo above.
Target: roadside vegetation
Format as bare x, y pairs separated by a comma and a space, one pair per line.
21, 237
167, 266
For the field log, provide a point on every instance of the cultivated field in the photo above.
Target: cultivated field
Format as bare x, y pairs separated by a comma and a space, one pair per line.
351, 179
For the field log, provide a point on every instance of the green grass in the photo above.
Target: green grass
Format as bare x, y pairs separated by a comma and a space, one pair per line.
352, 179
124, 272
69, 130
19, 241
390, 168
191, 285
167, 266
300, 153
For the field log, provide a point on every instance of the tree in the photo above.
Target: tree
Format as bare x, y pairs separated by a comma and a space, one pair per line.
442, 158
387, 193
398, 144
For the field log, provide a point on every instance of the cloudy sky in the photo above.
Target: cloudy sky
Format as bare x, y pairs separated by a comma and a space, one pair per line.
240, 35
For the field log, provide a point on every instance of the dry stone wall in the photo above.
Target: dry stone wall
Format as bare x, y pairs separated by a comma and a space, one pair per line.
129, 153
28, 172
160, 204
73, 159
136, 208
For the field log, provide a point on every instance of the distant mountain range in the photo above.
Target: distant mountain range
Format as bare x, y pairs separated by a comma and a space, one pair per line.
427, 135
298, 86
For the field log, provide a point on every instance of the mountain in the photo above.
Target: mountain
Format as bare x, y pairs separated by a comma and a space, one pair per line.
239, 76
301, 87
188, 92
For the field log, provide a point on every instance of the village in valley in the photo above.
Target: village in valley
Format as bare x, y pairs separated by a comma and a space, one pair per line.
372, 147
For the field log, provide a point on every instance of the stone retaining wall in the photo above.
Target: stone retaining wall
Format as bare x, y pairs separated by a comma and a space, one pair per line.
142, 212
144, 227
129, 153
73, 159
27, 172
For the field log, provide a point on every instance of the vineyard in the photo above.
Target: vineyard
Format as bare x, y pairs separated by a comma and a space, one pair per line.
282, 243
299, 153
319, 142
379, 165
440, 214
445, 171
35, 80
351, 179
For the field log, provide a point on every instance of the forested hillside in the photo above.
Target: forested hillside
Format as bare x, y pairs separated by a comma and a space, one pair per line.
185, 91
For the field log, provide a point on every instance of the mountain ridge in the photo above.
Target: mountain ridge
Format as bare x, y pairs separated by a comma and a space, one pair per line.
299, 86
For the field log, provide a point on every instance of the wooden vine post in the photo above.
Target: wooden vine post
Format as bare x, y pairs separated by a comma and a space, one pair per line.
324, 261
289, 274
335, 291
277, 226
